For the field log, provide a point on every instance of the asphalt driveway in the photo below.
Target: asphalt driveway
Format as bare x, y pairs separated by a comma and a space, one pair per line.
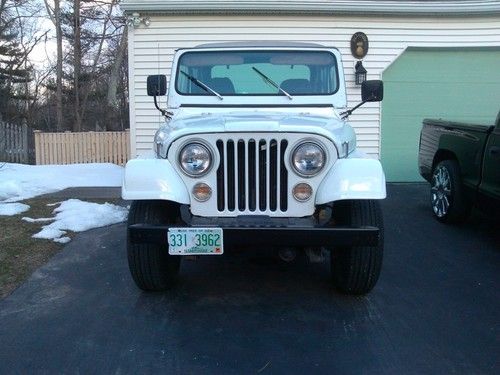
435, 309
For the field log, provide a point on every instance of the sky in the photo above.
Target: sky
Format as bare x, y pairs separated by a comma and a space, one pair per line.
45, 51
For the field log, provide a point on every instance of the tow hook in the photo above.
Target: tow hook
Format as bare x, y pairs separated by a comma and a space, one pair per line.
288, 254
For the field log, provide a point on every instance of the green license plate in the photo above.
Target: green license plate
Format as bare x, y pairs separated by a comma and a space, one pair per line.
195, 241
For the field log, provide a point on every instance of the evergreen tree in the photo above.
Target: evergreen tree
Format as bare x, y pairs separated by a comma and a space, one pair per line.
14, 69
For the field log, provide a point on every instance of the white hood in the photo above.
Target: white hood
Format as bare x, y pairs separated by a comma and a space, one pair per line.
321, 121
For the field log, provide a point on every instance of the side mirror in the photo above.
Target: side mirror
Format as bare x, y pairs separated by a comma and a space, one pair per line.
372, 91
157, 85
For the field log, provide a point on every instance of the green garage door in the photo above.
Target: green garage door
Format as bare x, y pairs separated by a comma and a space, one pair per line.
455, 84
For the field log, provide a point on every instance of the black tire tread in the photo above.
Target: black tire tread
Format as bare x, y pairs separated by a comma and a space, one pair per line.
152, 268
356, 269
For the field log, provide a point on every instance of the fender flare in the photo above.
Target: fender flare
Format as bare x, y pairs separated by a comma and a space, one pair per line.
150, 179
355, 178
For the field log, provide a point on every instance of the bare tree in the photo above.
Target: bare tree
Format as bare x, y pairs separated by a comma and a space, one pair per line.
59, 68
77, 56
17, 40
101, 39
87, 87
115, 71
55, 16
28, 39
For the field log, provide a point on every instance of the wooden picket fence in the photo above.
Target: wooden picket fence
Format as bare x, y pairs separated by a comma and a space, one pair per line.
82, 147
15, 143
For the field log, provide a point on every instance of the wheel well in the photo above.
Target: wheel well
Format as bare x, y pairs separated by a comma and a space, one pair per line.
443, 155
164, 209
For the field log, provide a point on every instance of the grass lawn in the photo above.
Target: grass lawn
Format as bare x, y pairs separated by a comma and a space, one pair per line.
20, 254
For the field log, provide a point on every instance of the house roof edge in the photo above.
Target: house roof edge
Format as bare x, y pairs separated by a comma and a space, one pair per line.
324, 7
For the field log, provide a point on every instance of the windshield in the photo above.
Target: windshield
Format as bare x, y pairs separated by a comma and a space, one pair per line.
234, 73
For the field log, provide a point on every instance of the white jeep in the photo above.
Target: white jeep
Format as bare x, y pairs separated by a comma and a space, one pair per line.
255, 152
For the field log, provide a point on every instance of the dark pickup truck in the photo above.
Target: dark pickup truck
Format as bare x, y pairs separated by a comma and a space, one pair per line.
462, 163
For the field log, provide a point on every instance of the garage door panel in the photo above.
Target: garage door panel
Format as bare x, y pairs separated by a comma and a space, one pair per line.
440, 99
450, 84
420, 65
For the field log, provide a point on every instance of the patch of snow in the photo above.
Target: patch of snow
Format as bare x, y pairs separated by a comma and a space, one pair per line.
48, 233
41, 220
11, 209
62, 240
78, 216
19, 181
9, 189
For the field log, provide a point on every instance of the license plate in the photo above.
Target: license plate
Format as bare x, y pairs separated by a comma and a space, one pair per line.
195, 241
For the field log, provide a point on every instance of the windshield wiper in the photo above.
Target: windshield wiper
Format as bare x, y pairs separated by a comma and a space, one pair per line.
270, 81
205, 87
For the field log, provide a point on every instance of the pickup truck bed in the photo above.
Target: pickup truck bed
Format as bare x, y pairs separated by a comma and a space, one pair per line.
440, 138
462, 163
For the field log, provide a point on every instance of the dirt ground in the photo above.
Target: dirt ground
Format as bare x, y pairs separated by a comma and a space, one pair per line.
20, 254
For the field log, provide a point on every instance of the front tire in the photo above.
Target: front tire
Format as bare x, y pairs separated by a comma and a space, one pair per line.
356, 269
448, 202
152, 268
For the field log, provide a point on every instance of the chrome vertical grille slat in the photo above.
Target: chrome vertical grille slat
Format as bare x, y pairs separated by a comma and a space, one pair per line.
236, 175
241, 162
247, 182
230, 161
224, 172
262, 175
252, 175
273, 169
278, 175
283, 177
268, 174
221, 177
257, 178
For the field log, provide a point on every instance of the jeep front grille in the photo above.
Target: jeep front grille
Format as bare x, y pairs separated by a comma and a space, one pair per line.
252, 175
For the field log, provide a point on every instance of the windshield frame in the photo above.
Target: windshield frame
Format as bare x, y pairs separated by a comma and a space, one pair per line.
336, 64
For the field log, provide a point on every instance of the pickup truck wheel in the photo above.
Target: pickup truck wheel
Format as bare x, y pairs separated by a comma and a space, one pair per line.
447, 200
152, 268
356, 269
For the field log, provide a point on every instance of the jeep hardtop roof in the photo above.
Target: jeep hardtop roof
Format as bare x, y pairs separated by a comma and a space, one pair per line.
257, 44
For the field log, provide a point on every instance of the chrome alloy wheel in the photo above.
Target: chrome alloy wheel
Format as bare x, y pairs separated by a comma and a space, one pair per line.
441, 191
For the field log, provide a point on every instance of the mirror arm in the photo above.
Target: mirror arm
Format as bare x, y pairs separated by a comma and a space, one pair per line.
346, 114
165, 113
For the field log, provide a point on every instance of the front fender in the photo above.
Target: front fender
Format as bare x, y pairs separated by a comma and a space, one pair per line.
354, 178
147, 179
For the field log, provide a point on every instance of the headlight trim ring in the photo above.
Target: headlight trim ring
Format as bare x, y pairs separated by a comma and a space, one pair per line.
302, 143
207, 149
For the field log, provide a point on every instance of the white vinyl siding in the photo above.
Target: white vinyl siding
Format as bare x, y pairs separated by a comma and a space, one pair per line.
151, 50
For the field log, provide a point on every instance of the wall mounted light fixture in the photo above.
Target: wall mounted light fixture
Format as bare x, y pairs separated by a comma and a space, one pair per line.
135, 20
359, 73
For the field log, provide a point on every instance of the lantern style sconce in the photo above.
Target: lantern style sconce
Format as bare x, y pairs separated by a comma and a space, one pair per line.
359, 73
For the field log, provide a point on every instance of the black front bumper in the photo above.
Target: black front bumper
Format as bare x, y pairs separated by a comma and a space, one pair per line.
271, 236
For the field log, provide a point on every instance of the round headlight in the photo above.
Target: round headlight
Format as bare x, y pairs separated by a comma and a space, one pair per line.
308, 159
195, 159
